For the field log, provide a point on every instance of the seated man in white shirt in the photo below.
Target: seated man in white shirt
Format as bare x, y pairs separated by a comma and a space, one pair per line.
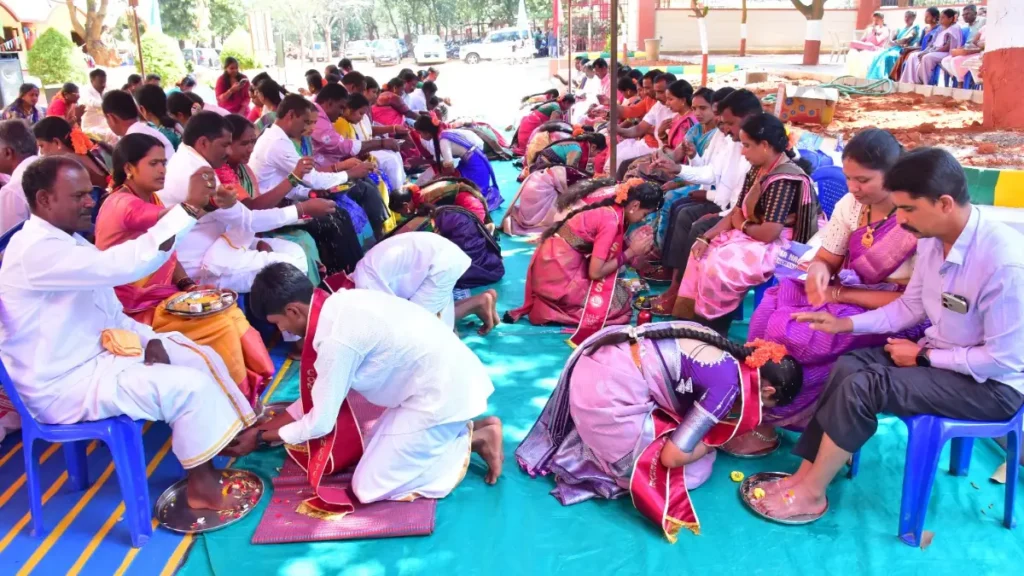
646, 137
423, 267
414, 97
122, 114
72, 353
720, 172
224, 250
398, 356
93, 121
18, 149
275, 156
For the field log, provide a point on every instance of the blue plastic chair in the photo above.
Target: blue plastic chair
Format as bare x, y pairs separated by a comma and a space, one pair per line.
934, 80
926, 435
121, 434
817, 158
832, 186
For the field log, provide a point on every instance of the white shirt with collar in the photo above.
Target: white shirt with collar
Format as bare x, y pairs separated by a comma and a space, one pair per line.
398, 356
93, 119
416, 100
141, 127
275, 157
223, 237
57, 296
13, 204
722, 166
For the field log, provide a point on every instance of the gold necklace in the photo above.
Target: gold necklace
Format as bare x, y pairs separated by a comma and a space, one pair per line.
869, 236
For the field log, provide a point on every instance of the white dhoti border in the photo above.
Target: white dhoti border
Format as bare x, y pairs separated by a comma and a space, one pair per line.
194, 394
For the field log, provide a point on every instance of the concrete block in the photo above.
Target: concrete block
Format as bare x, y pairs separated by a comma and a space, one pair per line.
977, 96
905, 88
941, 91
923, 90
961, 94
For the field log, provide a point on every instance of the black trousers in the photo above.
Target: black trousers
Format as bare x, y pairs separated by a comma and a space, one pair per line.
685, 230
364, 193
865, 383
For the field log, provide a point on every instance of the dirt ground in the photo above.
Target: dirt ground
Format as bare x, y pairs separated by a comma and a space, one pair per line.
917, 120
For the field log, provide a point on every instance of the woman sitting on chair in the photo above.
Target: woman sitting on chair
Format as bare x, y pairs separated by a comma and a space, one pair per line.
864, 262
127, 213
776, 205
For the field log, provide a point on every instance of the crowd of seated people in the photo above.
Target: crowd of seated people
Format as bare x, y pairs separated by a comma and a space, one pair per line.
863, 326
119, 204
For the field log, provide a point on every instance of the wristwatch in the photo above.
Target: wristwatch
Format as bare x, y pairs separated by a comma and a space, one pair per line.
922, 359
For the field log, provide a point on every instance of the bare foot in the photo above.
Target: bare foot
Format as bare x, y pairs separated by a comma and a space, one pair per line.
487, 442
796, 501
204, 491
494, 306
783, 484
662, 305
486, 312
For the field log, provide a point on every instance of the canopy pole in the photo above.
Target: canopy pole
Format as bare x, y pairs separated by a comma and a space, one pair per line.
613, 72
134, 5
568, 41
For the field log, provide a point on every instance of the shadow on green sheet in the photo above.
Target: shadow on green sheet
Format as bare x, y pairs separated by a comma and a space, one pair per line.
516, 527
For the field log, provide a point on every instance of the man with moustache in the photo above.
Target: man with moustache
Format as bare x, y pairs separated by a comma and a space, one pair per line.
968, 282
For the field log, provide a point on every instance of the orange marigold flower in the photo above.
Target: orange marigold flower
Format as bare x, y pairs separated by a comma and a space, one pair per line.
764, 351
577, 130
81, 143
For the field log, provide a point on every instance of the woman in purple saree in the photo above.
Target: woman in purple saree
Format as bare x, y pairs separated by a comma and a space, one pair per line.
656, 400
864, 262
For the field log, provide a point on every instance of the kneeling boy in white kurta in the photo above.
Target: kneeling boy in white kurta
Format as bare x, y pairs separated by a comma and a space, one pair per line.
423, 268
398, 356
74, 355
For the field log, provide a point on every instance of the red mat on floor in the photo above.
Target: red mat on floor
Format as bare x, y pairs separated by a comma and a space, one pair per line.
281, 523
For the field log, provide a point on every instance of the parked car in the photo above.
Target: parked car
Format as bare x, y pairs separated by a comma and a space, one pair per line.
357, 50
386, 52
202, 56
497, 45
319, 51
429, 50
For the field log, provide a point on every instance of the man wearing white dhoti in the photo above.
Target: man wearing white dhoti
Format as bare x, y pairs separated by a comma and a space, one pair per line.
72, 353
423, 267
223, 250
397, 355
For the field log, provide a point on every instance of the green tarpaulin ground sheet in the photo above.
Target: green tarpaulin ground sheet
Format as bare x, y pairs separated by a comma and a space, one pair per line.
517, 527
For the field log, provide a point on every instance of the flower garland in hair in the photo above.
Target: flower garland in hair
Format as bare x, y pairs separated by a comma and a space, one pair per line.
622, 190
80, 142
577, 130
414, 191
763, 352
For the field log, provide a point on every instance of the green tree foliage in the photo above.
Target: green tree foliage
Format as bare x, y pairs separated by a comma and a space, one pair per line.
178, 18
163, 56
55, 59
226, 16
239, 46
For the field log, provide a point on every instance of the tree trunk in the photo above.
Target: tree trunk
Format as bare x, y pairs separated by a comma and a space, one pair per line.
812, 40
327, 38
743, 30
1004, 52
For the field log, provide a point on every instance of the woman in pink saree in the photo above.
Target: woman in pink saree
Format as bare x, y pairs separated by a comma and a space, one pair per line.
551, 111
572, 279
776, 205
641, 410
538, 204
864, 263
127, 213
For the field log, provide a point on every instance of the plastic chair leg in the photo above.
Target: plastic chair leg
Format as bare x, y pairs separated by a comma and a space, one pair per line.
854, 465
130, 462
1012, 472
960, 456
35, 494
78, 465
918, 476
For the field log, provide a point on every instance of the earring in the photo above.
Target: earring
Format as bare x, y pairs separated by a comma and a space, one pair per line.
131, 175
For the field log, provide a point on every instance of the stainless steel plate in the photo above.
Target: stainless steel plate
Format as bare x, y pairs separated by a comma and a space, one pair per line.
173, 513
747, 496
271, 410
222, 293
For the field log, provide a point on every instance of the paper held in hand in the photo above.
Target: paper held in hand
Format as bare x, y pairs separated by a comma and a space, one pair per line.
792, 261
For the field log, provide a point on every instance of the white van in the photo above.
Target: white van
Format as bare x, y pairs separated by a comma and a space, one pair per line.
497, 45
429, 50
357, 50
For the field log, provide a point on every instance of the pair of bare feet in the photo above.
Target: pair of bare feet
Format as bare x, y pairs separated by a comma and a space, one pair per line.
205, 491
484, 306
793, 496
487, 442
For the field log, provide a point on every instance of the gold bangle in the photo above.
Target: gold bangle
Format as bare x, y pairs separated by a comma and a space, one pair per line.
837, 292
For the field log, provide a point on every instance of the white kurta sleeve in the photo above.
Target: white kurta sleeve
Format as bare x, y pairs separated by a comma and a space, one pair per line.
274, 218
446, 151
702, 175
56, 266
336, 366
